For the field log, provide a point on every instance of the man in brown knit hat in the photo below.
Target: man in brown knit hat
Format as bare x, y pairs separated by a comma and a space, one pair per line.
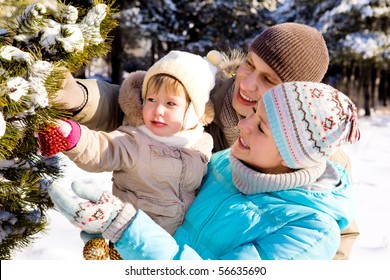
282, 53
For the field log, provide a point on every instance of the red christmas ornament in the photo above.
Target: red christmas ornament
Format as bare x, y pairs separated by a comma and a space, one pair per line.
52, 141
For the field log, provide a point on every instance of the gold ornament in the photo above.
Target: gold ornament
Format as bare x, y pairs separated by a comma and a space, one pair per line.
96, 249
114, 254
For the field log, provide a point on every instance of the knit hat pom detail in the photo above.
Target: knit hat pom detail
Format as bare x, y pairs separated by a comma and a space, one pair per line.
215, 57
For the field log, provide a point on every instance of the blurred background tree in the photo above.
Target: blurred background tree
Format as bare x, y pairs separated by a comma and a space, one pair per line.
357, 34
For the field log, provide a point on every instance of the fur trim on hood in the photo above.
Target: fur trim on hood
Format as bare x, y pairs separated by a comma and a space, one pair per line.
231, 60
130, 99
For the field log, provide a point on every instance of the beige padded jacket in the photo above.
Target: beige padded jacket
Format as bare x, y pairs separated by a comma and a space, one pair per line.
157, 178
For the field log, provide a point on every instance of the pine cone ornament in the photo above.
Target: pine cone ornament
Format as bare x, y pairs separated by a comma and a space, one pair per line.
96, 249
52, 141
114, 254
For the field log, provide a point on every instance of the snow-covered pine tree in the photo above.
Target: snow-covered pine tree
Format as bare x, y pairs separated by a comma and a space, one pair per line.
39, 43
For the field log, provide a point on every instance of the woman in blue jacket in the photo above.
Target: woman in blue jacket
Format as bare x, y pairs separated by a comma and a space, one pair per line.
273, 195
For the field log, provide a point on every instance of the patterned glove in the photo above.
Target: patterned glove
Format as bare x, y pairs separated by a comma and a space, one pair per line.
92, 210
61, 136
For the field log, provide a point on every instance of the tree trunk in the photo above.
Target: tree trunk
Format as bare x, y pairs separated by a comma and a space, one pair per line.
358, 86
344, 78
386, 86
116, 56
353, 87
366, 81
375, 88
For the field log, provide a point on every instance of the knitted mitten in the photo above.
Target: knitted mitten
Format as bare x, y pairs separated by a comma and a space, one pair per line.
92, 210
95, 212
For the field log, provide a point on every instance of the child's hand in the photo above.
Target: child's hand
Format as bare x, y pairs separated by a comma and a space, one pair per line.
92, 209
61, 136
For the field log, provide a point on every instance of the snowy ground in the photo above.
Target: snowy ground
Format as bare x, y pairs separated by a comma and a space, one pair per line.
371, 166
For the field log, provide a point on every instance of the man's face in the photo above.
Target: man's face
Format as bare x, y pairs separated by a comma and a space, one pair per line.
253, 78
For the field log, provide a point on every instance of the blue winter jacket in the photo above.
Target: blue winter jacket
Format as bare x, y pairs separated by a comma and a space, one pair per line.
224, 223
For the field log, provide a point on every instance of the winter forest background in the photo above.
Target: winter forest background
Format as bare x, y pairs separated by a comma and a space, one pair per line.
357, 33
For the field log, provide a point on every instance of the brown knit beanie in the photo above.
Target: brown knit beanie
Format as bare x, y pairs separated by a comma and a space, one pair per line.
296, 52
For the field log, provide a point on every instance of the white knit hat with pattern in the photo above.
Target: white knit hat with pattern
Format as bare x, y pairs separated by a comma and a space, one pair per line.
309, 121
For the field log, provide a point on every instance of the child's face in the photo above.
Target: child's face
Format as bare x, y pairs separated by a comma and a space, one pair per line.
256, 145
163, 113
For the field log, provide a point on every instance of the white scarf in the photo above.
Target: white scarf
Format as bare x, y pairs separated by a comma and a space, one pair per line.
181, 139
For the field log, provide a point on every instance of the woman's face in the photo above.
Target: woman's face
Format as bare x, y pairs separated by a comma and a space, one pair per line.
163, 113
256, 145
253, 78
